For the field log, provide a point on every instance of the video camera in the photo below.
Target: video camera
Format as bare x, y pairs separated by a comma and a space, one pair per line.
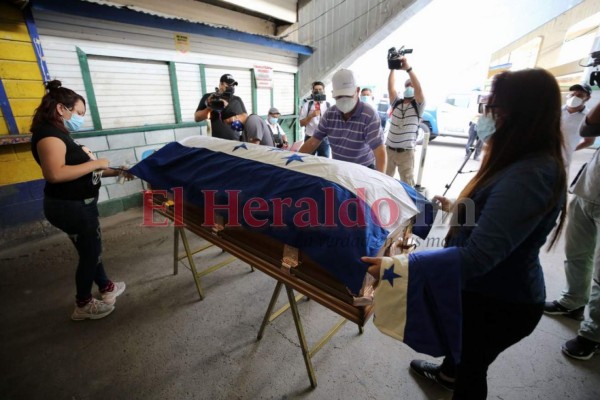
394, 56
316, 97
595, 76
216, 102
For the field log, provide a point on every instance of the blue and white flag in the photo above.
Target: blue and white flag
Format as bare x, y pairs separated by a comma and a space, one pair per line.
418, 301
332, 211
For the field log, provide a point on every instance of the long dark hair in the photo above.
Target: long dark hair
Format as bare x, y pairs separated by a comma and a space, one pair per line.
527, 107
46, 111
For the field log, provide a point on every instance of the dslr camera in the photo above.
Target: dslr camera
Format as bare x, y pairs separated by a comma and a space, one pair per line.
216, 102
316, 97
394, 61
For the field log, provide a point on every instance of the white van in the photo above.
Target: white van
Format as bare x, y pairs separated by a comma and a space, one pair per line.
455, 113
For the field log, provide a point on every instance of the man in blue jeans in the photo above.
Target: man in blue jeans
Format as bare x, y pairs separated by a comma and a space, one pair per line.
583, 253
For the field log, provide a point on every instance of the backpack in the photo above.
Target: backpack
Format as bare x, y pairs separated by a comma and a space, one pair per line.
413, 102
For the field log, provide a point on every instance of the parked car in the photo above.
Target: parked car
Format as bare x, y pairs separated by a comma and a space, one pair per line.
452, 117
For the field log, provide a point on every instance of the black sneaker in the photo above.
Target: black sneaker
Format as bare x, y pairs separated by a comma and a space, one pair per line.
581, 348
432, 372
555, 308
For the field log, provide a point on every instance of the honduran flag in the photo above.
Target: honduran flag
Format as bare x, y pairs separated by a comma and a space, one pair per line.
333, 211
418, 301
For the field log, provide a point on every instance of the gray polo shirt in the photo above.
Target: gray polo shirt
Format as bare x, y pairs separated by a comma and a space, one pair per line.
257, 128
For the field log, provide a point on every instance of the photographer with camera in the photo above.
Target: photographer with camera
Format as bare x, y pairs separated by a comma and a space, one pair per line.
279, 138
405, 119
310, 115
223, 108
582, 250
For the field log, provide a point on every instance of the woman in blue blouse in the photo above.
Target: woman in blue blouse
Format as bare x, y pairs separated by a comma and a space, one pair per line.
514, 200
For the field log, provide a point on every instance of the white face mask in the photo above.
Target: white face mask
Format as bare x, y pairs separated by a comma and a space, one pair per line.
574, 102
345, 104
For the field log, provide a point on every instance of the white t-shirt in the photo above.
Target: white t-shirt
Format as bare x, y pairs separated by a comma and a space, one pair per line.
570, 123
309, 129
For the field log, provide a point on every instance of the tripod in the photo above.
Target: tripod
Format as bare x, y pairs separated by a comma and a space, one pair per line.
460, 170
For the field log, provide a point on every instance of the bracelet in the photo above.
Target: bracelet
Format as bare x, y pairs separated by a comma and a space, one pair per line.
408, 70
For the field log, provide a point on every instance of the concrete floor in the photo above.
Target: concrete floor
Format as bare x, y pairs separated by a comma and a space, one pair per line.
163, 343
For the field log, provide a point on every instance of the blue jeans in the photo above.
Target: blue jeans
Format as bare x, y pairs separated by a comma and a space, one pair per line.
79, 220
582, 266
323, 150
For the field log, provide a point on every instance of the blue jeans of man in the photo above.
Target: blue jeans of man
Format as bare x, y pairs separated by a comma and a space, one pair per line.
582, 267
323, 150
79, 220
474, 142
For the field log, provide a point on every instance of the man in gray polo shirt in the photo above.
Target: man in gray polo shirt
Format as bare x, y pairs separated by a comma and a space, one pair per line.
407, 110
257, 131
353, 128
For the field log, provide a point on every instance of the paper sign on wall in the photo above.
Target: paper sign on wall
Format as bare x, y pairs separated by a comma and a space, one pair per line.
182, 43
263, 76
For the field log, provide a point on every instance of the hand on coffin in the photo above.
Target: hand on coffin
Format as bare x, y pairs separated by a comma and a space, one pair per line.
444, 203
375, 267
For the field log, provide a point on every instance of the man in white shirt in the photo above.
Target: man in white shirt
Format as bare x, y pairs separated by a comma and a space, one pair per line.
573, 114
310, 115
582, 250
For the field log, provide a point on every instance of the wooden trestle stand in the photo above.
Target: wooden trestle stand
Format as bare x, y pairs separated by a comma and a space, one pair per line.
289, 268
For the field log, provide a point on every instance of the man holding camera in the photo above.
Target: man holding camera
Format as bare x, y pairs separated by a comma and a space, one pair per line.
405, 119
353, 128
582, 250
310, 115
223, 108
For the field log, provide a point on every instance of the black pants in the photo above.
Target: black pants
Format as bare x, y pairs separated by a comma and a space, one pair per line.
79, 220
489, 327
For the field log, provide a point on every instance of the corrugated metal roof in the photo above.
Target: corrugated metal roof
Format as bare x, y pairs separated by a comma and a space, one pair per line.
117, 12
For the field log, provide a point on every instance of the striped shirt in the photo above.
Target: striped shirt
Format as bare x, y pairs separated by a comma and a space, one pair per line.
404, 125
353, 140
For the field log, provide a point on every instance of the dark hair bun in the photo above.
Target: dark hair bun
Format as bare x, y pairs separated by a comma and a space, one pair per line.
53, 85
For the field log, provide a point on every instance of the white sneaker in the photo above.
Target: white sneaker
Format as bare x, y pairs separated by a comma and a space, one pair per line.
95, 309
111, 297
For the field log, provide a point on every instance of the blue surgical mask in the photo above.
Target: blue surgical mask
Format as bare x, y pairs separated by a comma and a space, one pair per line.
365, 99
237, 125
273, 120
409, 92
486, 126
75, 123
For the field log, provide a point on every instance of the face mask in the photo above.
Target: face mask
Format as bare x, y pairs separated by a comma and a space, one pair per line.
237, 125
409, 92
365, 99
486, 126
273, 120
345, 104
75, 123
574, 102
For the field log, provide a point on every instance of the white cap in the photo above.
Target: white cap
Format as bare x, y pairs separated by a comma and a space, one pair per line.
343, 83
